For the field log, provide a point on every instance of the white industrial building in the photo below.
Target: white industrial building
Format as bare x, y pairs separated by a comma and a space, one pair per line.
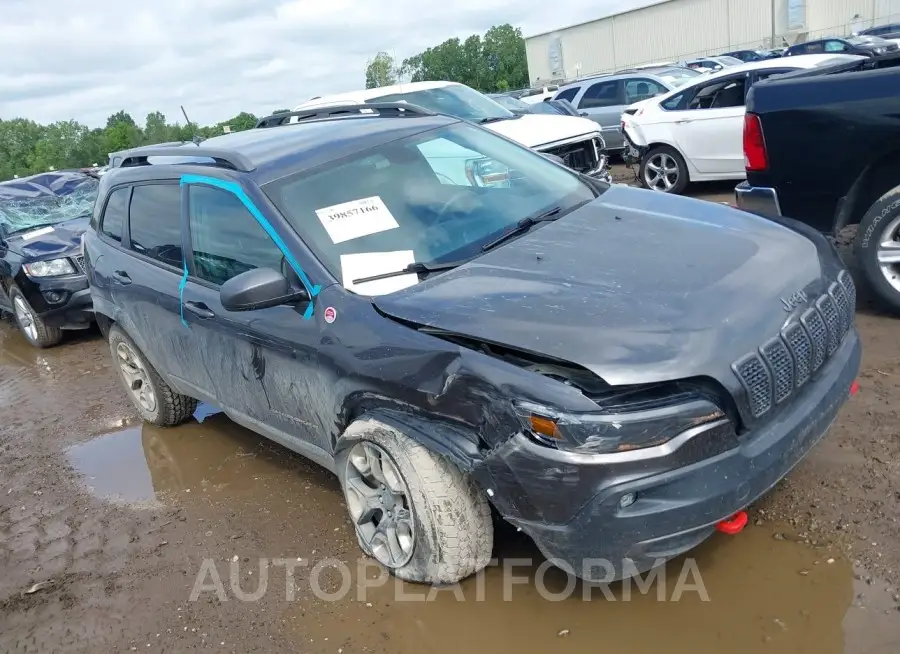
672, 30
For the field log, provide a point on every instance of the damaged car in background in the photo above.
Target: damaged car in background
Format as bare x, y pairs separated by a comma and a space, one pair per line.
42, 281
608, 369
575, 140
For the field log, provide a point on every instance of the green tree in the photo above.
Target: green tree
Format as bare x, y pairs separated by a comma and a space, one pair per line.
18, 139
491, 63
156, 130
380, 71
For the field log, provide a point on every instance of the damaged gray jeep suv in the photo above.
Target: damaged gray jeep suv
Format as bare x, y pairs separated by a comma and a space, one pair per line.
457, 326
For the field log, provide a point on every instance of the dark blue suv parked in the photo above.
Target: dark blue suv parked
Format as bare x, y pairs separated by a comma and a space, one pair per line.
42, 280
451, 322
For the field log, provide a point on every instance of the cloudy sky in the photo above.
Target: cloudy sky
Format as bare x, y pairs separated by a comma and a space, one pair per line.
88, 59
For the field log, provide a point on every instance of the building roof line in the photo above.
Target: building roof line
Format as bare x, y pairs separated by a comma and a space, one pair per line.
646, 5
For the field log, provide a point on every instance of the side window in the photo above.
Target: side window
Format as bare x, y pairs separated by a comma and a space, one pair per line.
675, 103
113, 222
719, 95
568, 94
225, 237
813, 48
601, 94
641, 89
835, 46
155, 222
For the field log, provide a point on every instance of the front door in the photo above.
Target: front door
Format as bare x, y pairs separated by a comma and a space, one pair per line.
262, 364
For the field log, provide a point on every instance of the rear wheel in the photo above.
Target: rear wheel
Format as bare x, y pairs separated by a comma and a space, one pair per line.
35, 330
878, 248
154, 399
663, 169
414, 511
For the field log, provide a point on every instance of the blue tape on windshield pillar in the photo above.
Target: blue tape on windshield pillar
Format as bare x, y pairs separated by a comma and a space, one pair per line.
235, 189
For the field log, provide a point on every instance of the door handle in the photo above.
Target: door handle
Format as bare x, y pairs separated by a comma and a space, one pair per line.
122, 277
199, 309
682, 122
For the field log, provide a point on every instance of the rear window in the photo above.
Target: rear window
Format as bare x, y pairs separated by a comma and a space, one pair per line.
113, 222
156, 223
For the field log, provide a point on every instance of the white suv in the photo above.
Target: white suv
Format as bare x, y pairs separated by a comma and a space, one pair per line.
577, 141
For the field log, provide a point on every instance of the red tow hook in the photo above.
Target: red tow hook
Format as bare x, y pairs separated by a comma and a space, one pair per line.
733, 525
854, 388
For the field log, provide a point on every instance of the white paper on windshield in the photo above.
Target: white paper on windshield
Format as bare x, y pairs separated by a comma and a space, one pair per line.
367, 264
37, 232
356, 219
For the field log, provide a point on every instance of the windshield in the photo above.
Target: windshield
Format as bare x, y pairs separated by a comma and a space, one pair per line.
45, 199
432, 198
729, 61
511, 103
454, 100
676, 76
867, 40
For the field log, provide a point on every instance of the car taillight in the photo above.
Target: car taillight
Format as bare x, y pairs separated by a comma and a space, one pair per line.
755, 157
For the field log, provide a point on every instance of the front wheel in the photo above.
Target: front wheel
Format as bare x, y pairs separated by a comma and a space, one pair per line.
878, 248
663, 169
35, 330
413, 510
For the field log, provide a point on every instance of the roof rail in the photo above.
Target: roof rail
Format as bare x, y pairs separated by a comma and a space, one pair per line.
382, 109
221, 158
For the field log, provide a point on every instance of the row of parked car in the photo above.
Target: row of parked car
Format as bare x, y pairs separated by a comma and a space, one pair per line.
445, 303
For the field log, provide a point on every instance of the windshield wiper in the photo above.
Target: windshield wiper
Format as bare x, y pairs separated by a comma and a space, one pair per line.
523, 226
493, 119
417, 268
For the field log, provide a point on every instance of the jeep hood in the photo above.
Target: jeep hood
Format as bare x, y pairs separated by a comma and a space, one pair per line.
536, 130
636, 286
62, 239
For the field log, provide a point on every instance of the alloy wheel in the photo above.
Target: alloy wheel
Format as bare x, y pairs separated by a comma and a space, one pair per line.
661, 172
379, 503
136, 377
26, 318
889, 253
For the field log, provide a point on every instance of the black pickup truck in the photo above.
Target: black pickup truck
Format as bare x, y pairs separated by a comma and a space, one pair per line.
822, 146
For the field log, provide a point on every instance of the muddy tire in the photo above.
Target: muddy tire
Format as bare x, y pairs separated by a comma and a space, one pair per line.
449, 519
663, 169
35, 330
153, 398
877, 242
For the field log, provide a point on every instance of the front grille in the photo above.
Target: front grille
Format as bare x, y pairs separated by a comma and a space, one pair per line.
79, 262
582, 156
786, 362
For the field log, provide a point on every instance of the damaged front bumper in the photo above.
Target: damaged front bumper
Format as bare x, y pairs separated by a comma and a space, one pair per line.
571, 504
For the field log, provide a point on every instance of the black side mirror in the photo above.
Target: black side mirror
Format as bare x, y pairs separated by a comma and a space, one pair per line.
259, 288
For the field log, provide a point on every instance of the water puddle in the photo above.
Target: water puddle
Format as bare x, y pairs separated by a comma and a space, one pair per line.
764, 595
143, 464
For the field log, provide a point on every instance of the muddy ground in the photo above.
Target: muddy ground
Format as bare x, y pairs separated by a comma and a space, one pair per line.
106, 526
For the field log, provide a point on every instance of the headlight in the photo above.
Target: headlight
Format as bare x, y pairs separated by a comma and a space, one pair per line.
51, 268
879, 50
618, 430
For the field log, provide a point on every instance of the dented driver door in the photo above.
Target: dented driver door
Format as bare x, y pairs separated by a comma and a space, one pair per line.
262, 363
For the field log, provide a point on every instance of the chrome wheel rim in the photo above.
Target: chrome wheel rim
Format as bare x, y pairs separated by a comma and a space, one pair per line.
379, 504
136, 379
889, 253
661, 172
25, 318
